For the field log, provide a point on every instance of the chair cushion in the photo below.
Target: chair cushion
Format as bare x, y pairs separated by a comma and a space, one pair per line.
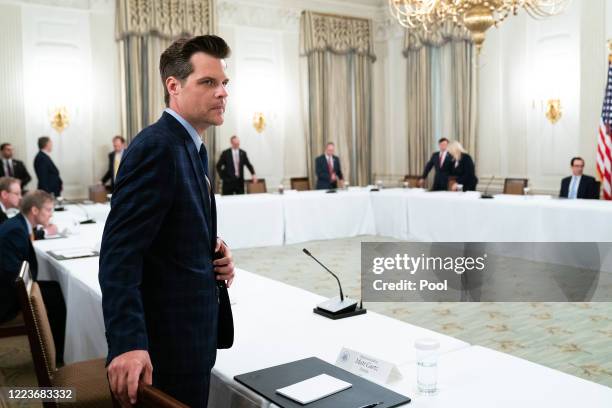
88, 378
16, 322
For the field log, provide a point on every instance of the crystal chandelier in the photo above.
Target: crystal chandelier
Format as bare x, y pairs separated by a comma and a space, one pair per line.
475, 15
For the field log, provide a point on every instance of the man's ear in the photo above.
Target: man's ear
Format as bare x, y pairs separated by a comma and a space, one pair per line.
173, 85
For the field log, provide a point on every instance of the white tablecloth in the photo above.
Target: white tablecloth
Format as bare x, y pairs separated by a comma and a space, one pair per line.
245, 221
313, 215
478, 377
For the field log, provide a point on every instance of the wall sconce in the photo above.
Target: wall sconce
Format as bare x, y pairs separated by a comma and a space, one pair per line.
553, 110
59, 119
259, 122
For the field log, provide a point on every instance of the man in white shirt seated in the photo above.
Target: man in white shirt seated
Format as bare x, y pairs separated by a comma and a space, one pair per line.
579, 185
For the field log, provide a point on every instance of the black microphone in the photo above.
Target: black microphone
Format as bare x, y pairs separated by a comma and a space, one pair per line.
88, 219
307, 252
485, 195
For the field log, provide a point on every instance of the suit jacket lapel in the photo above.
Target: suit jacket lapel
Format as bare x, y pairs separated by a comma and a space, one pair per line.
196, 164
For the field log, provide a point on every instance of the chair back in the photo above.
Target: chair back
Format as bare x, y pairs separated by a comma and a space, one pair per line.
37, 326
452, 180
413, 181
300, 183
255, 188
151, 397
515, 186
97, 193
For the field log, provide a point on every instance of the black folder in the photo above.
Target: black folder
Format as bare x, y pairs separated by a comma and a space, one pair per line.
265, 383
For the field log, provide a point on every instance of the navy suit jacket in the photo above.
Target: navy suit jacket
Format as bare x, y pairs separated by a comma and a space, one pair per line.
110, 173
225, 165
158, 285
442, 171
322, 170
465, 172
586, 189
19, 172
48, 175
15, 247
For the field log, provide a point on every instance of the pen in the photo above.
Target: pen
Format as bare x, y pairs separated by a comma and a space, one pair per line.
372, 405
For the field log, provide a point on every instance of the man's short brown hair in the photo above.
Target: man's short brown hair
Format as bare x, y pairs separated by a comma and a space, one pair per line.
175, 60
36, 198
43, 141
119, 137
7, 182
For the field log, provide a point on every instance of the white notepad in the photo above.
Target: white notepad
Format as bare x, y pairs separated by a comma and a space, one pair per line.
314, 388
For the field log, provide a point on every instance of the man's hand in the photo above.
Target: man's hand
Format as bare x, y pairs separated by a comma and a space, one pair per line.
224, 267
51, 229
125, 371
421, 182
254, 178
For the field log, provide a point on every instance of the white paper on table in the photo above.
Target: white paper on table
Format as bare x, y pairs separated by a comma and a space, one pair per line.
74, 252
314, 388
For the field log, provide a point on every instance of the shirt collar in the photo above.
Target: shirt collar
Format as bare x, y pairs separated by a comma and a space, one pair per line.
190, 129
28, 225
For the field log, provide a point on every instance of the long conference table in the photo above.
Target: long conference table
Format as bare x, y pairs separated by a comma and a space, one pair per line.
274, 321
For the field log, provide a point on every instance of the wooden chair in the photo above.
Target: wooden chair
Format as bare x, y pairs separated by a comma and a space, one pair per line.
97, 193
88, 378
413, 181
452, 180
151, 397
515, 186
255, 188
15, 327
300, 183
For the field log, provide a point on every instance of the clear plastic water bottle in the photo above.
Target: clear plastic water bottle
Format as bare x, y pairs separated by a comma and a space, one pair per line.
427, 365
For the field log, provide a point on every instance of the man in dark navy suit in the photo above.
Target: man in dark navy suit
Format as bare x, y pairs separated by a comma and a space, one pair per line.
231, 168
327, 167
158, 279
114, 159
12, 167
16, 236
443, 165
48, 175
579, 185
10, 196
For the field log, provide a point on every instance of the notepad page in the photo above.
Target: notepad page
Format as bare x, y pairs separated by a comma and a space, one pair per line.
314, 388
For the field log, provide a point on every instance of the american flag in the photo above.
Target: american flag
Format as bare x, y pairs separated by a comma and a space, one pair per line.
604, 141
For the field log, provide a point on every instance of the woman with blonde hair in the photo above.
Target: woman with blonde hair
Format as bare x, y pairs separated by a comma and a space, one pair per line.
463, 168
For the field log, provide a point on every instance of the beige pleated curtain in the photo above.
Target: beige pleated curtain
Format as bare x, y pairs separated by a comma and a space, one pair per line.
458, 89
339, 54
144, 29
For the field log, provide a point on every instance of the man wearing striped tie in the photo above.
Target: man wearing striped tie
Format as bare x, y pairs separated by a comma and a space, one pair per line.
114, 158
579, 185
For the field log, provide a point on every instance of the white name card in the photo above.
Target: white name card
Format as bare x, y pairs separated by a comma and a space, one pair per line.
366, 366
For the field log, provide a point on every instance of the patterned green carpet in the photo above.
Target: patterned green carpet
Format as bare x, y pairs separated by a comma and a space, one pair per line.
572, 337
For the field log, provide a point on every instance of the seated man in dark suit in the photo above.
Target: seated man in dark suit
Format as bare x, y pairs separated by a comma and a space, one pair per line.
10, 196
327, 167
48, 175
231, 168
114, 158
442, 162
579, 185
15, 247
12, 167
